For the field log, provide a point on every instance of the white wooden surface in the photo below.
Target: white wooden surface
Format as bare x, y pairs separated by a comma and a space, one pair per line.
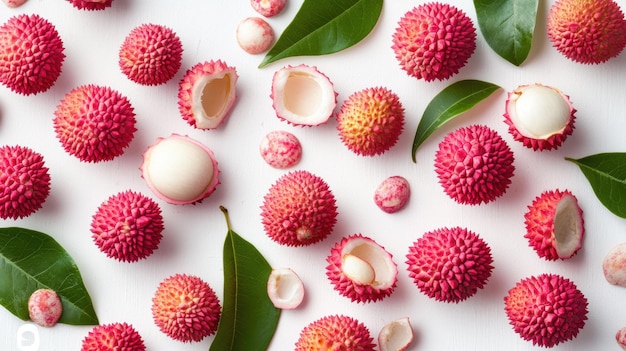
193, 238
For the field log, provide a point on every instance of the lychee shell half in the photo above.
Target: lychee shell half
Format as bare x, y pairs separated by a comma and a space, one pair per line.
335, 332
31, 54
299, 209
207, 93
91, 5
547, 309
113, 336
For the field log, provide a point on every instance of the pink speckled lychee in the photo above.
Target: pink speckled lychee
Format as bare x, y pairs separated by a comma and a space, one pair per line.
268, 8
620, 337
614, 265
45, 307
14, 3
254, 35
280, 149
91, 5
114, 336
392, 194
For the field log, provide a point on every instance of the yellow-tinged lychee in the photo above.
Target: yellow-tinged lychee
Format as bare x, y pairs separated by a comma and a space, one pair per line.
113, 336
335, 332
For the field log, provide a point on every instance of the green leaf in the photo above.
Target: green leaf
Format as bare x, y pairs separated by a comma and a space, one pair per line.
508, 26
31, 260
325, 26
249, 318
606, 172
455, 99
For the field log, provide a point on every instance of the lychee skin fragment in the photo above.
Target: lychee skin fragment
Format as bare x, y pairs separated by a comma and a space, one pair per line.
370, 121
45, 307
128, 226
114, 336
24, 182
31, 54
335, 332
151, 54
186, 308
299, 209
434, 41
450, 264
620, 338
587, 31
91, 5
94, 123
474, 165
547, 309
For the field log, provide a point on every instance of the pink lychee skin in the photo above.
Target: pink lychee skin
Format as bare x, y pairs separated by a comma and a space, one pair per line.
280, 149
14, 3
91, 5
268, 8
254, 35
614, 265
114, 336
392, 194
45, 307
620, 337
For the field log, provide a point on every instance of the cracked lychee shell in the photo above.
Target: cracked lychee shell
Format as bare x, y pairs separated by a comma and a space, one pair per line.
361, 269
547, 309
450, 264
554, 225
539, 116
335, 332
113, 336
299, 209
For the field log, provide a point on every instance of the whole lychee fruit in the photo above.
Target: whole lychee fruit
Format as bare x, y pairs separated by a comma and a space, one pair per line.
434, 41
547, 309
254, 35
91, 5
280, 149
186, 308
450, 264
151, 54
370, 121
335, 332
113, 337
474, 165
24, 181
587, 31
268, 8
45, 307
299, 209
94, 123
31, 54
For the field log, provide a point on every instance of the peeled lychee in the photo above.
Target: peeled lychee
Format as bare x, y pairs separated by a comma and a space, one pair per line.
114, 336
280, 149
186, 308
547, 309
361, 269
31, 54
24, 182
94, 123
396, 335
474, 165
392, 194
450, 264
335, 332
370, 121
207, 93
539, 116
587, 31
434, 41
302, 95
180, 170
254, 35
45, 307
554, 225
151, 54
91, 5
128, 226
268, 8
299, 209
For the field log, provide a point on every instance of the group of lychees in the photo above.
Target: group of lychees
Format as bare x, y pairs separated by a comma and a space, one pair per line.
474, 166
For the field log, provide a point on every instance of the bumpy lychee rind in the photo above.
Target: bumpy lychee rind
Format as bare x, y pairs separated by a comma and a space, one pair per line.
380, 260
450, 264
91, 5
114, 336
151, 54
370, 121
207, 93
554, 225
24, 181
94, 123
433, 41
521, 133
299, 209
186, 308
335, 332
128, 226
31, 54
587, 31
547, 309
474, 165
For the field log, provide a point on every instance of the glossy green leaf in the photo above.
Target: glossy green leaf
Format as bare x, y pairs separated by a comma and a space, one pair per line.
31, 260
452, 101
325, 26
508, 26
249, 318
606, 172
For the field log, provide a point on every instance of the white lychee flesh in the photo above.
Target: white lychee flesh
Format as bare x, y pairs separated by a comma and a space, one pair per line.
396, 335
614, 265
539, 111
358, 269
285, 288
568, 227
369, 263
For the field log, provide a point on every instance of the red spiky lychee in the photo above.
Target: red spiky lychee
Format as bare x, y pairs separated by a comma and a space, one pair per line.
335, 332
113, 337
91, 5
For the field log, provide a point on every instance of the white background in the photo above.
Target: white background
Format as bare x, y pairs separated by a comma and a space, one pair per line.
194, 235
